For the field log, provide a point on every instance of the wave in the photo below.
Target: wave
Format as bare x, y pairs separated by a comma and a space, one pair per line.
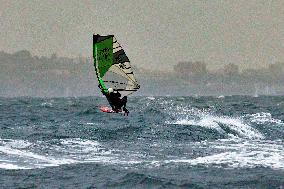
263, 118
239, 153
47, 104
225, 153
160, 132
232, 126
20, 154
88, 111
137, 180
26, 155
23, 158
151, 98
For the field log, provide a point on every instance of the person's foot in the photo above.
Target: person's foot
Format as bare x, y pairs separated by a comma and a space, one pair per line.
125, 111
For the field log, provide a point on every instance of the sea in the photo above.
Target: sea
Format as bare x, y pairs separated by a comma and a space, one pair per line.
165, 142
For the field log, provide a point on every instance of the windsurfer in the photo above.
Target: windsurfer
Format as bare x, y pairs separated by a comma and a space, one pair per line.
114, 100
113, 69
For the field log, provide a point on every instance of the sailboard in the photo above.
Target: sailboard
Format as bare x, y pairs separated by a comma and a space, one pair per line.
112, 66
108, 110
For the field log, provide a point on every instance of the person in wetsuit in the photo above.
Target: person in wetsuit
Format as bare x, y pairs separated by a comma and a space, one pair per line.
115, 102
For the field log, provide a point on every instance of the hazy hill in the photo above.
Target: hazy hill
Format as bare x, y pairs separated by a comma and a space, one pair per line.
22, 74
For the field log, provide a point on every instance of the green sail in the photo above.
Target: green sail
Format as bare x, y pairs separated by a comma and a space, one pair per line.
103, 55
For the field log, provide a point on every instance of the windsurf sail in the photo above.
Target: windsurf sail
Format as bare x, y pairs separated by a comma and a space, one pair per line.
112, 66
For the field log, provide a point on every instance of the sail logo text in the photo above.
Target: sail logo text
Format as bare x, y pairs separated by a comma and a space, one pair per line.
105, 54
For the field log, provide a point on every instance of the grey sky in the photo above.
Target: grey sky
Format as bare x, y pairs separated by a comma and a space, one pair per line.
153, 33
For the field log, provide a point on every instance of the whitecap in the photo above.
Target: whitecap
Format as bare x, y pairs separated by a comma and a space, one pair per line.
151, 98
264, 117
219, 123
240, 154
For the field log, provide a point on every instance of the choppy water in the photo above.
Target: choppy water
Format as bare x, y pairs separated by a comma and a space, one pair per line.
165, 142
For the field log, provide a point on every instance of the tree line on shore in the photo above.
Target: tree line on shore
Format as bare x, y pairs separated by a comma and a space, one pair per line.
25, 75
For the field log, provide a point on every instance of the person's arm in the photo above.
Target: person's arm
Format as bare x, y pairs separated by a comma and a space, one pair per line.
118, 94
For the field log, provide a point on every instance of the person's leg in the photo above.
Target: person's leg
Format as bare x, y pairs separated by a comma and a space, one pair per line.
124, 101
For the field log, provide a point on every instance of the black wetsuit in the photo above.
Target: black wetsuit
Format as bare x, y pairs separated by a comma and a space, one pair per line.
115, 102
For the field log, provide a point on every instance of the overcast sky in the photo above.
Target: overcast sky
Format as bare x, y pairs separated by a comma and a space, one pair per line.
154, 34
